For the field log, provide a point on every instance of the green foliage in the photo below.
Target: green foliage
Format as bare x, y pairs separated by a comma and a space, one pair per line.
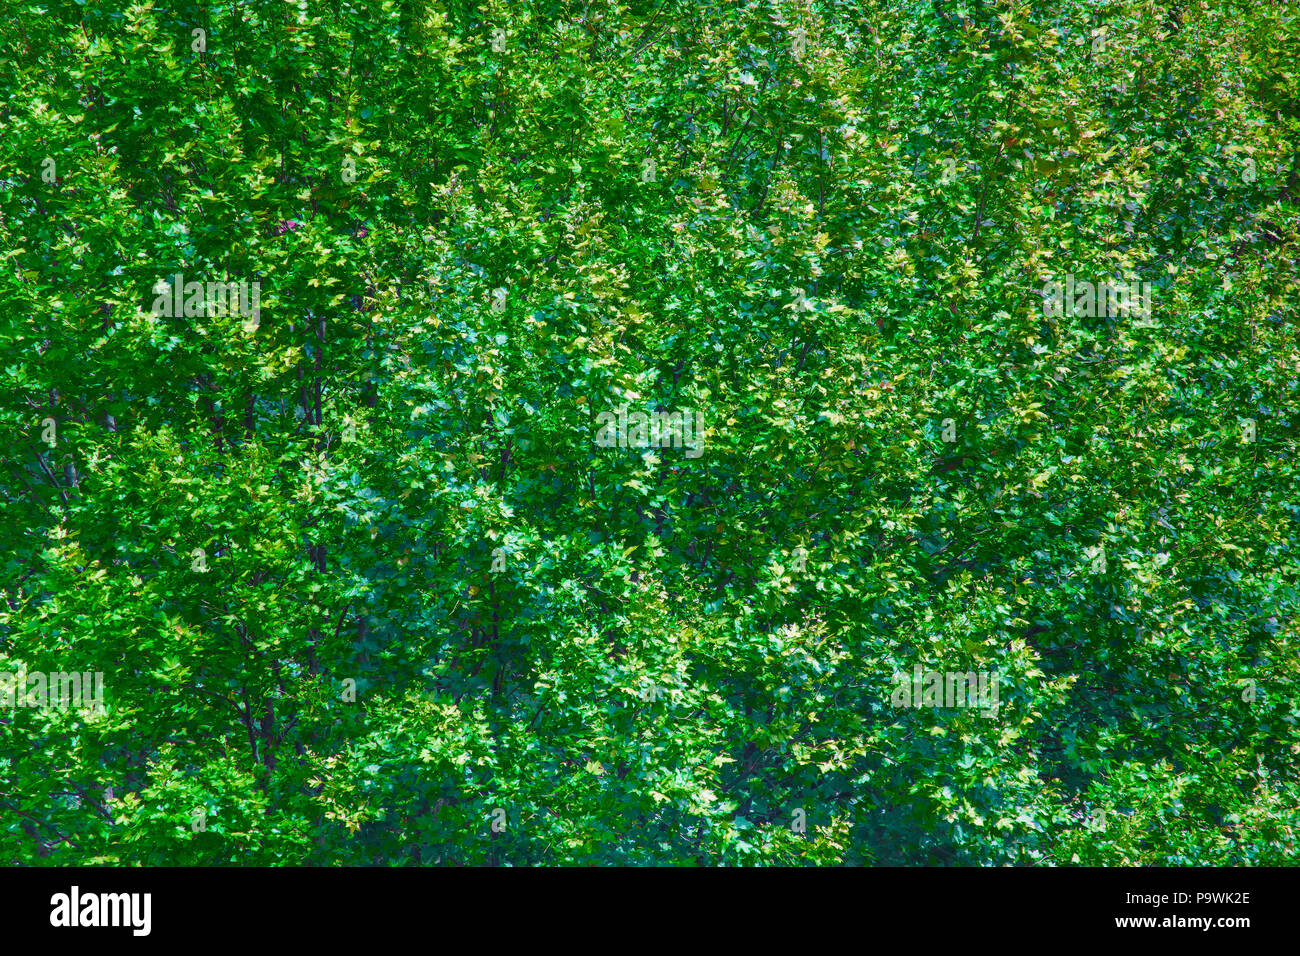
365, 589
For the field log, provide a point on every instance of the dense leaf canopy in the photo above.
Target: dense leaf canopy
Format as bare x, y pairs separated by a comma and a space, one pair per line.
366, 585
